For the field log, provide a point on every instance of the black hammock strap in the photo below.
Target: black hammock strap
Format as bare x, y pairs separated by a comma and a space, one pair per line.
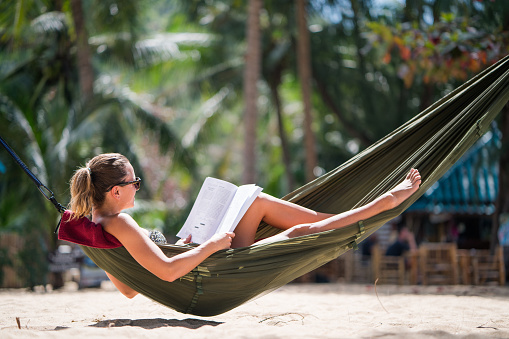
48, 194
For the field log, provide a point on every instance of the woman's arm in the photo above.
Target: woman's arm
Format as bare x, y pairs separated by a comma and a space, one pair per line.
150, 256
123, 288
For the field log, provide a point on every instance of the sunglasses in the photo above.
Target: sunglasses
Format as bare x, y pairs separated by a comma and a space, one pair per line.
136, 182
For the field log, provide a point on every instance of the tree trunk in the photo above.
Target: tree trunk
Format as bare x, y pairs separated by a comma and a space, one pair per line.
365, 87
85, 70
304, 69
274, 82
436, 11
426, 96
408, 11
251, 74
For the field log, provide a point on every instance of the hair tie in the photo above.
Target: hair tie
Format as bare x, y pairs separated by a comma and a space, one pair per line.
89, 170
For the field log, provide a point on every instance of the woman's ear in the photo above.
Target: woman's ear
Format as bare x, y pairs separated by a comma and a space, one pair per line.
115, 193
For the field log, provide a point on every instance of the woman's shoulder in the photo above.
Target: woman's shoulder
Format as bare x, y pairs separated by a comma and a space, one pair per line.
124, 217
118, 221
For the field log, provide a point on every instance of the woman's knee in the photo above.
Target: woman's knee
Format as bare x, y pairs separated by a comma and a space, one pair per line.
262, 204
264, 199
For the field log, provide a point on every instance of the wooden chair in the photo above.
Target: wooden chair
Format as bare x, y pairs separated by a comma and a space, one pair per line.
11, 244
387, 269
487, 267
439, 263
361, 269
465, 267
337, 270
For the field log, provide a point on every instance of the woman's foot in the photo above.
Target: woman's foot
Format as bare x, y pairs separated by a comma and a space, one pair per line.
406, 188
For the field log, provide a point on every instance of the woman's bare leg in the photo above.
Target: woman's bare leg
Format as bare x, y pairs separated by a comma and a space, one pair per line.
383, 203
276, 212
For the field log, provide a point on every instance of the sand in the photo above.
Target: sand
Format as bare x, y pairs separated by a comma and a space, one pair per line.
294, 311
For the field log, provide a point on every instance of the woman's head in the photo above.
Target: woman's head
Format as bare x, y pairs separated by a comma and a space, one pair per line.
90, 184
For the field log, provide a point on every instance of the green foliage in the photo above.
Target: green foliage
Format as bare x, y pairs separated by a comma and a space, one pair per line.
168, 92
455, 47
43, 118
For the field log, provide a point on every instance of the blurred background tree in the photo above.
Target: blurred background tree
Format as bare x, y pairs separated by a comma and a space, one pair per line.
163, 83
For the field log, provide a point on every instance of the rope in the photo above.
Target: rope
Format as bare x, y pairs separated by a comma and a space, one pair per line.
48, 194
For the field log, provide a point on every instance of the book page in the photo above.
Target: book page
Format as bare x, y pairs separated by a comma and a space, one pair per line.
211, 205
243, 198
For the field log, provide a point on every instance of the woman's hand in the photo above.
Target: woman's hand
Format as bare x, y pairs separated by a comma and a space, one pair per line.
220, 241
184, 241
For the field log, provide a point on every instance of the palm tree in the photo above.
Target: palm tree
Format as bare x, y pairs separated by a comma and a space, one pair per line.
304, 70
84, 61
251, 75
38, 85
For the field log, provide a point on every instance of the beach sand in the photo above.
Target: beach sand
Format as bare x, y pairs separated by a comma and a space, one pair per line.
293, 311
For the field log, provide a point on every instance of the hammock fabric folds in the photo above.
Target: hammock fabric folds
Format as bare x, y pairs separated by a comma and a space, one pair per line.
431, 142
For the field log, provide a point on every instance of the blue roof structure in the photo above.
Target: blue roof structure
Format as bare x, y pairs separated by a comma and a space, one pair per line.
471, 184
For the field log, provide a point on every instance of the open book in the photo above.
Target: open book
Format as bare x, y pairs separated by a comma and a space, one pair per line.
218, 208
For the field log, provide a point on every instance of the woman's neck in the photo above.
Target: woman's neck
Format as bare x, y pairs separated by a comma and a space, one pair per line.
105, 211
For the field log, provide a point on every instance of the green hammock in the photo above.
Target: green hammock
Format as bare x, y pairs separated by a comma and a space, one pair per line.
430, 142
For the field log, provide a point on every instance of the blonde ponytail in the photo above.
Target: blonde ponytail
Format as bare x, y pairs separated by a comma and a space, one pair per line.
81, 193
89, 184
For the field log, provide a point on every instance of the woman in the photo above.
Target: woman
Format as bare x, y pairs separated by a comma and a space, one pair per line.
108, 184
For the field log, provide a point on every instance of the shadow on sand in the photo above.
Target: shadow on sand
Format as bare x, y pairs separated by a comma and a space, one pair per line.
156, 323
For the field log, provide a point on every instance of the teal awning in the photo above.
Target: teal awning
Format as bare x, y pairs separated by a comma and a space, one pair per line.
2, 168
471, 185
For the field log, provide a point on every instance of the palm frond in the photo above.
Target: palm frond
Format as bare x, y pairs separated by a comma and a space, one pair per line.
134, 109
19, 123
208, 109
49, 23
154, 49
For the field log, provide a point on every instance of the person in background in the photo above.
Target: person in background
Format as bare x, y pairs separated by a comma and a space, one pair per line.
405, 242
367, 245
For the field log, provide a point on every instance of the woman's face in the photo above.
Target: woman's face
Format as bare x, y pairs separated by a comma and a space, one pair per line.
128, 191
